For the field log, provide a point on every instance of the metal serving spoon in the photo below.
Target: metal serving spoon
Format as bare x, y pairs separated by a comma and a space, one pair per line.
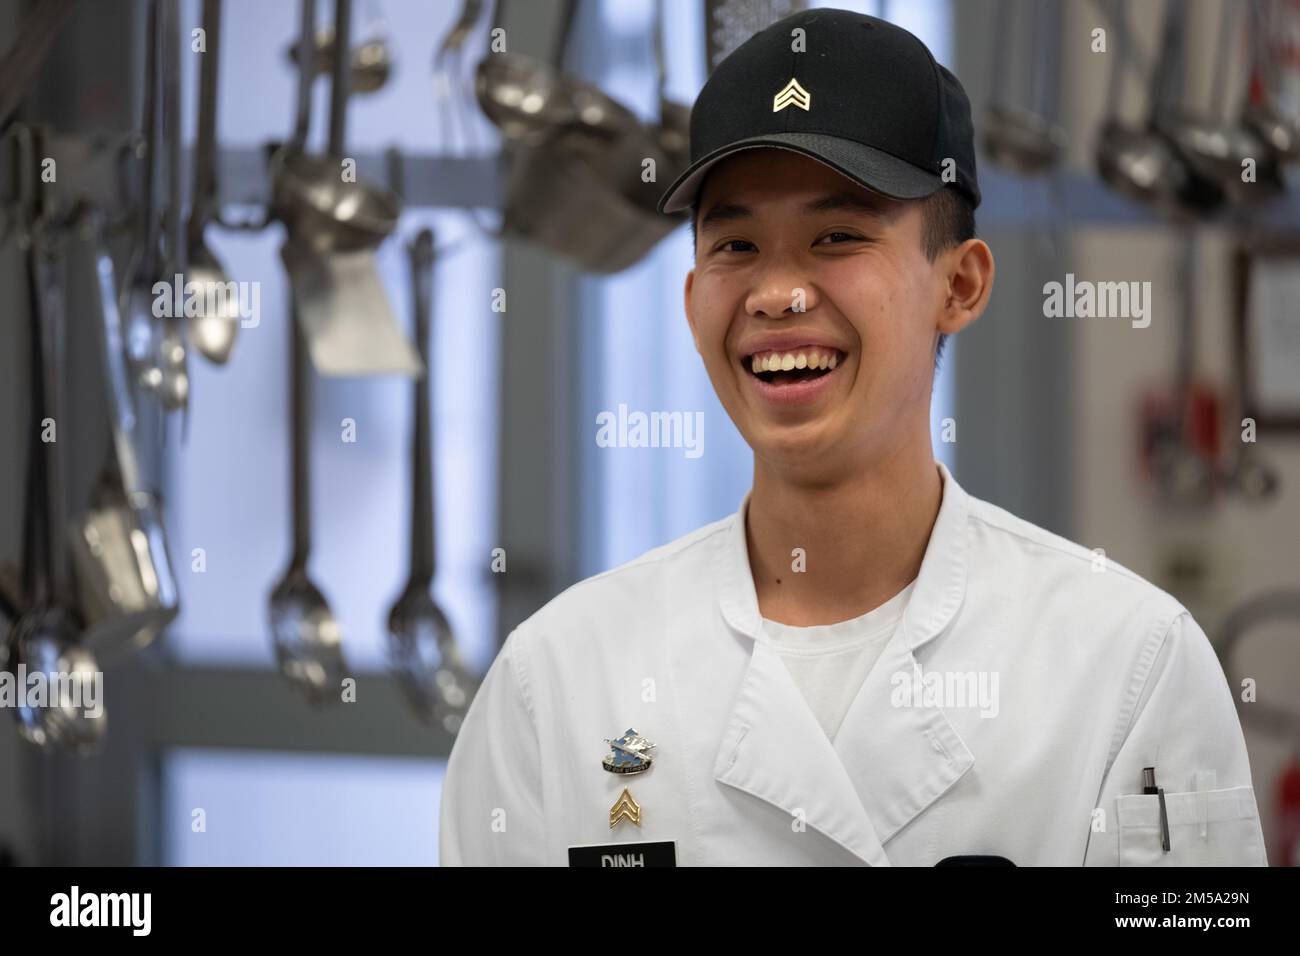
44, 638
371, 59
306, 636
213, 333
422, 649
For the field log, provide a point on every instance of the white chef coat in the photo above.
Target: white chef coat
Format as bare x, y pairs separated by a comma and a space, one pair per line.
1098, 674
829, 661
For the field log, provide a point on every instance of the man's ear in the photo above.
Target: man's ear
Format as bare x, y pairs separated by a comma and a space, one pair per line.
970, 283
690, 314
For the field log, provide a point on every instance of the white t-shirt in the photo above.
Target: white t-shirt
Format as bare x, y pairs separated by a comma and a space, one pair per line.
829, 661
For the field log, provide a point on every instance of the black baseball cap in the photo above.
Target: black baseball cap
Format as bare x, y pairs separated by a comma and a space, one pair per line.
863, 96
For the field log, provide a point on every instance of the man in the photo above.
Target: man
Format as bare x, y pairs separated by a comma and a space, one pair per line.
865, 664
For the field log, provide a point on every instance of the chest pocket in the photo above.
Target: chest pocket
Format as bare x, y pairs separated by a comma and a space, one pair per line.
1206, 828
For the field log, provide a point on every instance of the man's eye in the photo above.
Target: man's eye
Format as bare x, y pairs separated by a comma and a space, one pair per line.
847, 235
723, 247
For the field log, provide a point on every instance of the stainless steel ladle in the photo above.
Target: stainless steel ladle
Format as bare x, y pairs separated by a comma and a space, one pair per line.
1141, 162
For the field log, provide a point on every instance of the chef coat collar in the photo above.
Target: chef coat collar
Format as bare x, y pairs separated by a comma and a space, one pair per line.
887, 763
940, 585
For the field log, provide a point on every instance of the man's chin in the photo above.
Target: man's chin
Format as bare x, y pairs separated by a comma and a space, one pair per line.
806, 448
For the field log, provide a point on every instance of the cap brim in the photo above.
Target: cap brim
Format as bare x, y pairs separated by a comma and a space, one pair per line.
873, 168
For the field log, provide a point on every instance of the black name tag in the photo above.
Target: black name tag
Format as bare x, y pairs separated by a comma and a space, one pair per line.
662, 853
974, 861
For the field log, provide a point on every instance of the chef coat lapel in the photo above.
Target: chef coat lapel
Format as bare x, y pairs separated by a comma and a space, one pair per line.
887, 763
774, 749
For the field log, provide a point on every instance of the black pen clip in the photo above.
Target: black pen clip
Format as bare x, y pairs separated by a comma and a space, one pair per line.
1164, 822
1149, 788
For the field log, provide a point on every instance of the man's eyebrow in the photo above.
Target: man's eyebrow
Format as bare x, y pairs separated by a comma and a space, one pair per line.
831, 202
854, 202
724, 212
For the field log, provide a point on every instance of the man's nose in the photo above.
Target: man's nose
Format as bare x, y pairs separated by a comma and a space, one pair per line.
779, 292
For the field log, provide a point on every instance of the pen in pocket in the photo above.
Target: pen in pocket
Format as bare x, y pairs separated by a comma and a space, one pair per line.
1149, 787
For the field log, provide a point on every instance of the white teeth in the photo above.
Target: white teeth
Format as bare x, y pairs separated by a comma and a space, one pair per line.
773, 362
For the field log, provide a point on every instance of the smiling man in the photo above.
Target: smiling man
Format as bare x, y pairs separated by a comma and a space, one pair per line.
865, 664
818, 308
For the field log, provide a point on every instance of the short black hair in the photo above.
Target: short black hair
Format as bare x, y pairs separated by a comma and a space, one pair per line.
948, 220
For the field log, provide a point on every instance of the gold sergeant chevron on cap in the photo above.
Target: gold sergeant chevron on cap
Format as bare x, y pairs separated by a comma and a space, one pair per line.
792, 92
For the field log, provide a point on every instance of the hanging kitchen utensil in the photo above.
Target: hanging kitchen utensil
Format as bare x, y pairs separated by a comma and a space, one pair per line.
45, 637
574, 199
673, 134
310, 194
422, 649
214, 329
456, 108
126, 588
1141, 163
449, 50
372, 59
330, 291
1184, 475
1217, 146
281, 167
137, 297
1116, 140
530, 99
1171, 121
328, 214
1246, 471
1268, 173
304, 632
1278, 127
334, 226
578, 190
41, 629
1019, 139
525, 97
173, 365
